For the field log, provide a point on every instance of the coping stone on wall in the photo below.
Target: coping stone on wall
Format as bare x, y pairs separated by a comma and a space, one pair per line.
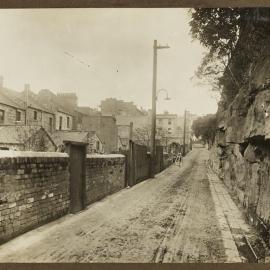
16, 154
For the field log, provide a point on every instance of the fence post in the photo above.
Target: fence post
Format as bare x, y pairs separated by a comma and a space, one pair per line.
77, 169
131, 179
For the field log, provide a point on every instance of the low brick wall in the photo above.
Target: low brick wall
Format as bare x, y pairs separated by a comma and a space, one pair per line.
105, 174
34, 189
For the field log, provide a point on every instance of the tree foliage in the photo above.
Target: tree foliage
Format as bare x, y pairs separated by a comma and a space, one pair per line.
205, 128
232, 37
142, 135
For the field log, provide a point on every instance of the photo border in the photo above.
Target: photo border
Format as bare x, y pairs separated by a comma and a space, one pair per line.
16, 4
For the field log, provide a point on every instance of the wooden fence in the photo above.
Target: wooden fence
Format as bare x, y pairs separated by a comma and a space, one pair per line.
138, 163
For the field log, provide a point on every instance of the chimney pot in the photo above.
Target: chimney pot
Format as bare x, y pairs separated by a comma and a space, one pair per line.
27, 87
1, 81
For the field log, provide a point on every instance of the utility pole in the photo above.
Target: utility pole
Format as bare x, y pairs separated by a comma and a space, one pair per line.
184, 136
153, 119
131, 131
27, 88
153, 122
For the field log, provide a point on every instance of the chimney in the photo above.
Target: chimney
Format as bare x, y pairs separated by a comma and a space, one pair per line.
1, 82
27, 87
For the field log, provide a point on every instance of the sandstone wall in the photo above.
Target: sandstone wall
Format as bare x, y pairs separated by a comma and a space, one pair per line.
241, 155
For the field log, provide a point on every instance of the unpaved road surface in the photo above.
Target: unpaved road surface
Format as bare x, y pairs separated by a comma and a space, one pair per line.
170, 218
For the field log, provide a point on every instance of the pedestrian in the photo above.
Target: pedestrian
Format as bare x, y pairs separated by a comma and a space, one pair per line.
178, 159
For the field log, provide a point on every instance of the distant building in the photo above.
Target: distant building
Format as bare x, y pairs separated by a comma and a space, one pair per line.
115, 107
124, 113
167, 122
104, 126
26, 138
173, 125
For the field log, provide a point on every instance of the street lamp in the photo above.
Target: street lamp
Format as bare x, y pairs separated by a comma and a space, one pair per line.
166, 98
154, 99
163, 90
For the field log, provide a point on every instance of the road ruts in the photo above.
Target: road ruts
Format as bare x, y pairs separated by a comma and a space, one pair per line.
170, 218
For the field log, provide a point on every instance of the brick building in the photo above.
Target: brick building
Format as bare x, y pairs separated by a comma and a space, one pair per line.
11, 112
63, 112
125, 113
104, 126
23, 108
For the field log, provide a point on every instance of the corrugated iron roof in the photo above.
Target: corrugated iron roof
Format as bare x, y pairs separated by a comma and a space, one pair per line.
62, 135
69, 135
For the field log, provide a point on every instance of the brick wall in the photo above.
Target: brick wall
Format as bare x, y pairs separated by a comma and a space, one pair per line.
34, 189
104, 175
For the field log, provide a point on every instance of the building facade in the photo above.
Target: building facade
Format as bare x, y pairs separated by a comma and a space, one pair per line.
104, 126
112, 106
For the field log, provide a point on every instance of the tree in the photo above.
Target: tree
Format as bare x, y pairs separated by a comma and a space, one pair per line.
229, 35
142, 135
205, 127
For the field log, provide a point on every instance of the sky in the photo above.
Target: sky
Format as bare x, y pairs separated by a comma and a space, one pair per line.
102, 53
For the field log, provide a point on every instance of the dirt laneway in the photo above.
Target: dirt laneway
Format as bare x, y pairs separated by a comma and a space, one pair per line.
171, 218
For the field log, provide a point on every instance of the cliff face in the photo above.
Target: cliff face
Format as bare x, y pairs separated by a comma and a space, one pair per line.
241, 155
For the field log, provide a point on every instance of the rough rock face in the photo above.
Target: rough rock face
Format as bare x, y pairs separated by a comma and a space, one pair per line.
241, 155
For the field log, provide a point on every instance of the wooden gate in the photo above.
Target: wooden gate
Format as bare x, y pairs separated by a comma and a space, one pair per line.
77, 159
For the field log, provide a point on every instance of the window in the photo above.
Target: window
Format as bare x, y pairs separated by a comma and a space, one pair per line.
51, 123
60, 122
169, 122
169, 129
18, 116
67, 122
35, 115
97, 145
2, 116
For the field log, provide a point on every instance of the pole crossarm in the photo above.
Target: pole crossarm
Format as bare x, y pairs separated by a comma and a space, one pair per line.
163, 47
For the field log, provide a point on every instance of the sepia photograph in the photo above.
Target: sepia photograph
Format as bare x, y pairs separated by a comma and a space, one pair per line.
135, 135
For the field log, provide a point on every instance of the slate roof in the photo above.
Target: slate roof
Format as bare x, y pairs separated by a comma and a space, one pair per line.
11, 100
33, 102
18, 100
17, 134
